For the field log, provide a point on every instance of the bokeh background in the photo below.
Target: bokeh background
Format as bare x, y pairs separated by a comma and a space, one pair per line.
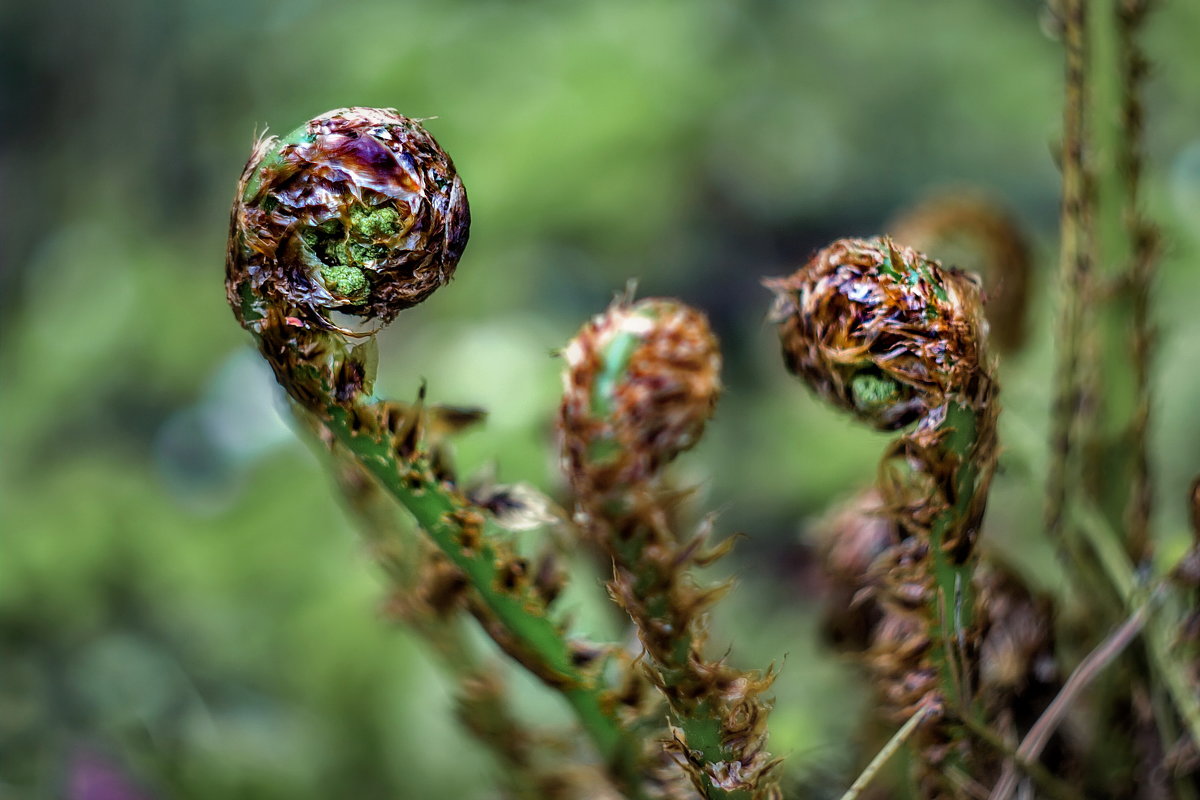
185, 610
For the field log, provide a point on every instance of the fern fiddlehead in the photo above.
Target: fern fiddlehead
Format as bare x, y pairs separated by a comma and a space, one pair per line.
879, 330
360, 212
642, 380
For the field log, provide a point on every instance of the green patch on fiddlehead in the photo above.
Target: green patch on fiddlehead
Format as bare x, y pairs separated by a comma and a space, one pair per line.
873, 391
614, 361
270, 163
912, 273
345, 282
374, 223
343, 252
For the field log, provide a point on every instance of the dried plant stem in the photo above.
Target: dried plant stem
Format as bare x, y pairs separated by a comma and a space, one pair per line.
885, 753
1095, 662
1164, 619
1091, 666
1050, 784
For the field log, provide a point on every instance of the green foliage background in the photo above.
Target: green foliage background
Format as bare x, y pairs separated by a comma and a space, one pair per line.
179, 590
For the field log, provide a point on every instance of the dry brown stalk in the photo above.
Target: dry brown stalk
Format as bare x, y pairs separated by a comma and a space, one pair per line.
1095, 663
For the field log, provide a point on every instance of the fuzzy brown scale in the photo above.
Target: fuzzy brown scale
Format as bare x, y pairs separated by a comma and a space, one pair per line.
885, 333
441, 589
1019, 674
469, 524
641, 382
850, 541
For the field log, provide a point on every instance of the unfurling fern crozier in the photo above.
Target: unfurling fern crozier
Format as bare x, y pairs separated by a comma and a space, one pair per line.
892, 337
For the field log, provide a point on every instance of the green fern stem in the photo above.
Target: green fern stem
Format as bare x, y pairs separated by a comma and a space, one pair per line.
953, 600
508, 606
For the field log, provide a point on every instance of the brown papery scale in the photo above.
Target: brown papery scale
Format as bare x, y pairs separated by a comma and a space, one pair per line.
849, 541
358, 210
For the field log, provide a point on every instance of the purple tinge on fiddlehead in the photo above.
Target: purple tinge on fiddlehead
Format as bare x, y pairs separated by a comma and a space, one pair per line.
358, 210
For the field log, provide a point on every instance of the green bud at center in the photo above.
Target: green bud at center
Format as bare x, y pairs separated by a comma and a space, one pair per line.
872, 391
345, 282
344, 249
375, 223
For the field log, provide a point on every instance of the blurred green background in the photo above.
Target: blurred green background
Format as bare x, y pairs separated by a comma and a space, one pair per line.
184, 608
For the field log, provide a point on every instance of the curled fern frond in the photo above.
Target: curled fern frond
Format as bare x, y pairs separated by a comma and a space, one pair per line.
358, 210
641, 382
887, 334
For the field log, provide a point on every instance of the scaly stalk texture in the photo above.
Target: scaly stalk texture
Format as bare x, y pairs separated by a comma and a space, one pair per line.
881, 331
1144, 245
360, 211
1018, 670
641, 381
1076, 277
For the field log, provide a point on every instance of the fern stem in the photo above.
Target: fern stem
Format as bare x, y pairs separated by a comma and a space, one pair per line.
425, 601
1143, 240
529, 635
1076, 279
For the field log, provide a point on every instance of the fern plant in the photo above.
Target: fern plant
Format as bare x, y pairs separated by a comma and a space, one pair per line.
359, 214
